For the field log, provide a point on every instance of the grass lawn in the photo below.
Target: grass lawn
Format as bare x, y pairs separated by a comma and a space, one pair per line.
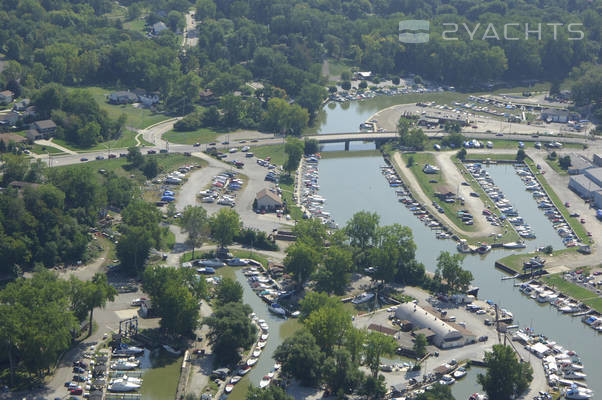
136, 117
202, 135
137, 25
451, 210
573, 222
275, 151
491, 156
556, 167
38, 149
121, 167
336, 67
286, 184
126, 140
515, 261
566, 287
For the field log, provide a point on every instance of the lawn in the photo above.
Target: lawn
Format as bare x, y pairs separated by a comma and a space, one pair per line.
38, 149
491, 156
286, 184
275, 151
137, 118
515, 261
556, 167
451, 210
126, 140
575, 291
573, 222
137, 25
202, 135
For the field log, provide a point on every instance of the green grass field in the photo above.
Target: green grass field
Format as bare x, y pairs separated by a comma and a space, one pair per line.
556, 167
275, 151
515, 261
137, 25
38, 149
136, 117
573, 222
491, 156
202, 135
126, 140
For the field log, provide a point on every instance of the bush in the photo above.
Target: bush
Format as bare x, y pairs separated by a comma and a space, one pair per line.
363, 85
256, 239
190, 122
332, 89
346, 85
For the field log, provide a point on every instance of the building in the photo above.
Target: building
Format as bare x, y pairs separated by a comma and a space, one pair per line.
267, 200
21, 105
11, 137
598, 198
442, 334
364, 75
594, 175
45, 127
159, 27
579, 164
583, 186
598, 160
555, 115
146, 309
207, 98
6, 97
122, 97
9, 119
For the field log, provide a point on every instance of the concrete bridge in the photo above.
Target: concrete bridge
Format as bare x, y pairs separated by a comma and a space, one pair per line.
377, 137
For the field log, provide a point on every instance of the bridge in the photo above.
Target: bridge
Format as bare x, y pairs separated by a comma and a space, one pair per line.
379, 138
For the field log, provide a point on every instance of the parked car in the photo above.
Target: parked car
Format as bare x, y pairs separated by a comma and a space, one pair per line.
100, 158
483, 339
474, 194
197, 144
112, 155
151, 152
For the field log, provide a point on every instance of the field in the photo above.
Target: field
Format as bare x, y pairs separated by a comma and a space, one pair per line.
126, 140
38, 149
556, 167
137, 118
515, 261
202, 135
275, 151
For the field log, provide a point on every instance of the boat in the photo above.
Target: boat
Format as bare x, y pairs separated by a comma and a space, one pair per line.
251, 361
234, 380
277, 309
261, 345
447, 380
264, 336
243, 371
132, 379
363, 298
575, 393
264, 326
571, 374
125, 365
123, 385
228, 388
265, 381
477, 396
463, 246
125, 350
171, 350
460, 373
515, 245
256, 353
271, 375
483, 249
277, 366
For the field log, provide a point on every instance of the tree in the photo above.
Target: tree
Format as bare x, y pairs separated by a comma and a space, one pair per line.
506, 376
462, 154
362, 85
454, 139
316, 300
564, 162
378, 345
205, 9
438, 392
362, 229
354, 343
135, 157
345, 85
334, 275
341, 373
374, 387
452, 127
300, 261
301, 358
93, 294
294, 151
521, 155
228, 291
420, 345
394, 254
311, 146
230, 329
329, 326
151, 168
449, 268
225, 224
195, 223
133, 248
410, 161
270, 393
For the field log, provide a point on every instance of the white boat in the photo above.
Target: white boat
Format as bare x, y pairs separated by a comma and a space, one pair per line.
234, 380
265, 381
228, 388
271, 375
171, 350
447, 380
578, 394
126, 350
363, 298
277, 309
459, 373
261, 345
256, 353
264, 326
264, 336
131, 379
251, 361
572, 374
515, 245
125, 365
277, 366
121, 385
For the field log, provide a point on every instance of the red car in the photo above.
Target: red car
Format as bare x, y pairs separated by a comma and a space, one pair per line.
77, 391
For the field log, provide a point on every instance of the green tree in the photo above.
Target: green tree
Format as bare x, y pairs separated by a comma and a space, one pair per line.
311, 146
354, 343
374, 387
564, 162
300, 262
420, 345
205, 9
449, 268
92, 294
506, 376
195, 223
301, 358
438, 392
133, 248
316, 300
294, 151
228, 291
340, 373
135, 157
14, 168
362, 229
329, 326
269, 393
151, 168
345, 85
394, 252
334, 275
452, 127
230, 329
378, 345
521, 155
225, 224
462, 154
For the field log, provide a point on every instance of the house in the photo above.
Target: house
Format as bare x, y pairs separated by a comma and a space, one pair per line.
147, 99
33, 134
122, 97
555, 115
444, 335
11, 137
579, 164
430, 169
159, 27
267, 200
9, 119
6, 97
364, 75
207, 98
21, 105
46, 127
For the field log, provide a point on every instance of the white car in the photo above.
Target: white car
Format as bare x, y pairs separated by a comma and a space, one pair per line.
481, 312
233, 150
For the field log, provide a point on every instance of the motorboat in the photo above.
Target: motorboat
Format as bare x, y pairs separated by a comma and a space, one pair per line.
264, 326
243, 371
256, 353
363, 298
460, 373
126, 350
277, 366
123, 385
483, 249
572, 374
271, 374
575, 393
228, 388
447, 380
265, 381
251, 361
515, 245
125, 365
264, 336
463, 246
234, 380
132, 379
261, 345
277, 309
477, 396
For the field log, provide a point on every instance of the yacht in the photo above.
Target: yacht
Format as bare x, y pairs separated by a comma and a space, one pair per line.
277, 309
131, 379
234, 380
483, 249
251, 362
264, 336
363, 298
121, 385
477, 396
447, 380
572, 374
126, 350
125, 365
256, 353
261, 345
228, 388
463, 246
460, 373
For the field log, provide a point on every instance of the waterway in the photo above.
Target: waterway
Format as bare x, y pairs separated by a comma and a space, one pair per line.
160, 374
354, 184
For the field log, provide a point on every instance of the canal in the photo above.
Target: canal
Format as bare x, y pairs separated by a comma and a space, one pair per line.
354, 184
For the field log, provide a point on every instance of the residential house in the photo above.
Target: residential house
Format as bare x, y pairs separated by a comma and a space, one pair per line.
267, 200
21, 105
46, 127
33, 134
147, 99
9, 119
207, 98
159, 27
555, 115
6, 97
363, 75
122, 97
11, 137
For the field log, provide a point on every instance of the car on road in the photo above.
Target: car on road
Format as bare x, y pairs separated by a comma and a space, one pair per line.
100, 158
212, 144
151, 152
83, 159
254, 141
589, 234
582, 220
481, 312
499, 134
233, 150
465, 184
242, 141
237, 262
567, 204
474, 194
249, 155
78, 370
225, 142
197, 144
574, 215
483, 338
112, 155
77, 391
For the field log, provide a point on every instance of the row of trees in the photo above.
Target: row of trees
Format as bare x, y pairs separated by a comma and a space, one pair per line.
40, 316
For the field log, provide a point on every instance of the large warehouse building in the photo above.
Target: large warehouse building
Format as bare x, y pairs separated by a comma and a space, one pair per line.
440, 333
588, 185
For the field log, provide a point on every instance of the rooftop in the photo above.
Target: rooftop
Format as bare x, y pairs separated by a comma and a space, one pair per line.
586, 182
265, 192
45, 124
595, 173
579, 162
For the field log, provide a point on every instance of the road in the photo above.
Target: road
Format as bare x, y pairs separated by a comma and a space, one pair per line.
190, 33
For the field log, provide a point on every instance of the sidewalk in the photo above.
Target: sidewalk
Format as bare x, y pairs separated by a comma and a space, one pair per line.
50, 143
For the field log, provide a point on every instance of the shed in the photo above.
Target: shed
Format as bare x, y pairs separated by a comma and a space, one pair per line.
267, 200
